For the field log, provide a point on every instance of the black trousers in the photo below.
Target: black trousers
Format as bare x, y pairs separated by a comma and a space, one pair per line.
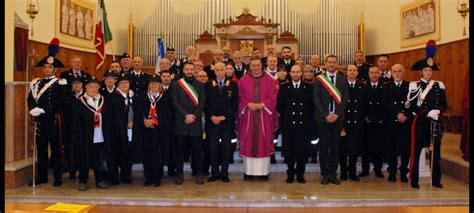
214, 134
196, 142
422, 139
171, 154
343, 156
296, 165
329, 136
152, 154
121, 159
47, 133
99, 174
206, 158
373, 147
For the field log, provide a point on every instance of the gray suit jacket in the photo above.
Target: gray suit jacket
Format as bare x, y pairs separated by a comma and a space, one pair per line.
322, 97
183, 105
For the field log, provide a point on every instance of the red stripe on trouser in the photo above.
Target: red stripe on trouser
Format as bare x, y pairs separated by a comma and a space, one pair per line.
60, 126
412, 149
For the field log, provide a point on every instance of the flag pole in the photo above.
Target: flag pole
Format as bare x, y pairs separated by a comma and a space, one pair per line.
112, 49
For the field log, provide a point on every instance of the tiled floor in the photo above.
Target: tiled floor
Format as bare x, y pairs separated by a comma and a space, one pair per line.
370, 191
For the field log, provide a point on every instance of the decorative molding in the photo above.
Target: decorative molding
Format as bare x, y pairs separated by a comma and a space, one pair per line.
287, 37
206, 37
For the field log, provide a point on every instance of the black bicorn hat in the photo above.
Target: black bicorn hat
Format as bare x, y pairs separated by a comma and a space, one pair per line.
125, 55
53, 49
154, 78
123, 77
170, 48
92, 79
110, 74
430, 51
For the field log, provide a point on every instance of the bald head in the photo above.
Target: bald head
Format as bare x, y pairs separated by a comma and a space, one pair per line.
201, 76
219, 70
137, 63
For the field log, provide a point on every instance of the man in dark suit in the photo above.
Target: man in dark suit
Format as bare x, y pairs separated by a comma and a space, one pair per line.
374, 140
169, 147
239, 66
75, 71
122, 117
221, 104
362, 67
397, 123
126, 64
287, 55
188, 98
175, 66
330, 96
351, 141
227, 58
138, 79
295, 105
315, 62
218, 57
154, 111
384, 67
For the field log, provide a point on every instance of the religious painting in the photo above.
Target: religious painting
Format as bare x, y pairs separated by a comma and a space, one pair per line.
419, 22
246, 47
75, 22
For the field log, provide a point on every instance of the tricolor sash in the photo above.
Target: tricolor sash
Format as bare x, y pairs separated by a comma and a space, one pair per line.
332, 89
189, 89
152, 111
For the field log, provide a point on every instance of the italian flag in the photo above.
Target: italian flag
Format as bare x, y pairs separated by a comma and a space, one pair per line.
102, 34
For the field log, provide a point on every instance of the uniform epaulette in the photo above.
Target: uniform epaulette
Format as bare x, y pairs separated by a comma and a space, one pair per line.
62, 81
33, 82
413, 85
441, 84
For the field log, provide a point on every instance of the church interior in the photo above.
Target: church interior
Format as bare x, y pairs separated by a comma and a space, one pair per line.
308, 27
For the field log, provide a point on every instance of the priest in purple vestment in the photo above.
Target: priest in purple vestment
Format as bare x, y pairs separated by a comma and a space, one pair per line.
257, 121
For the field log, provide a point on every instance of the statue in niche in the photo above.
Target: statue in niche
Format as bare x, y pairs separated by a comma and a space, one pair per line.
72, 21
88, 19
80, 23
64, 17
246, 47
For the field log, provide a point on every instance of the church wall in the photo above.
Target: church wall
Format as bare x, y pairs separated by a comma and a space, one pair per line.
9, 33
453, 61
382, 21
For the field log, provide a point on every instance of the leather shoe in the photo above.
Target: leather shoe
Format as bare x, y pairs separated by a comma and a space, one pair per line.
379, 174
343, 177
38, 181
364, 174
334, 180
127, 181
157, 183
438, 185
415, 186
102, 185
354, 177
263, 178
392, 178
300, 180
82, 187
289, 179
403, 178
57, 183
179, 181
147, 182
225, 179
199, 181
248, 177
325, 180
212, 179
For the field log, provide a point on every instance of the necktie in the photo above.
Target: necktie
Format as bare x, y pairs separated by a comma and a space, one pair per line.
296, 86
398, 85
352, 85
374, 86
331, 104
